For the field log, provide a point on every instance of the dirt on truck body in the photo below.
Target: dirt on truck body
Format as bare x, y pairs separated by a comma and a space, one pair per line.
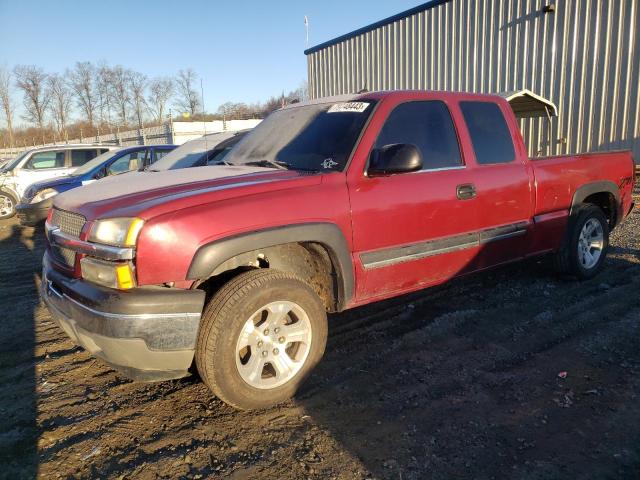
509, 374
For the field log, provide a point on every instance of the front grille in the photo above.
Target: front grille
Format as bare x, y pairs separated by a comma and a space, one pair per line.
69, 223
68, 257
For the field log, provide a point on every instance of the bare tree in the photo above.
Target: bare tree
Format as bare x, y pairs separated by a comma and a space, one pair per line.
60, 104
31, 80
5, 99
187, 95
160, 92
119, 80
137, 84
302, 92
81, 80
103, 74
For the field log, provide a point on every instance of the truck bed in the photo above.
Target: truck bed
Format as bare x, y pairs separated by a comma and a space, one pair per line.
558, 178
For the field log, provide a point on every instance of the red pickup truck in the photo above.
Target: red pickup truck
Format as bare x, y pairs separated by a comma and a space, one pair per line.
325, 206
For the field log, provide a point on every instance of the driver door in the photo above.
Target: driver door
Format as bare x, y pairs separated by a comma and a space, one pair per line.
412, 230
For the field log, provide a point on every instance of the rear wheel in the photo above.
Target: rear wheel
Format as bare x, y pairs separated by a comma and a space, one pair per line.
261, 335
586, 245
7, 205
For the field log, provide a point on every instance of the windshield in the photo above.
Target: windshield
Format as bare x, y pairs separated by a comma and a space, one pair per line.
13, 163
91, 164
191, 152
308, 137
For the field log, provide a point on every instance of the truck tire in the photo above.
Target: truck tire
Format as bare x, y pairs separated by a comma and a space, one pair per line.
7, 205
260, 336
586, 244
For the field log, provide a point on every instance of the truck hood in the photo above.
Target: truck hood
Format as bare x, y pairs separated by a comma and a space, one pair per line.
150, 193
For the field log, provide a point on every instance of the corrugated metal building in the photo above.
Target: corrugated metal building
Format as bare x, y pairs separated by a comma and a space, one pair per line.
583, 55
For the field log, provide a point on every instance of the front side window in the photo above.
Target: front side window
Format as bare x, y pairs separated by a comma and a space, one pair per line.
127, 163
490, 136
312, 137
428, 126
45, 160
80, 157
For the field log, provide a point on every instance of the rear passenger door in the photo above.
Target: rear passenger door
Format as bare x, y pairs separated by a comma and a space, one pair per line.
412, 230
501, 181
41, 166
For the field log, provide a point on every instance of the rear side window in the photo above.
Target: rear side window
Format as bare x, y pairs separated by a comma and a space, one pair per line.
80, 157
492, 141
44, 160
160, 153
428, 126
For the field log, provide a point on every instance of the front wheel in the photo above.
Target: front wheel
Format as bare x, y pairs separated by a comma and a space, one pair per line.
586, 245
261, 334
7, 205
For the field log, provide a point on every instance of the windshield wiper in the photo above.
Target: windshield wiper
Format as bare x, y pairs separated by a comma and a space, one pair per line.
220, 162
274, 163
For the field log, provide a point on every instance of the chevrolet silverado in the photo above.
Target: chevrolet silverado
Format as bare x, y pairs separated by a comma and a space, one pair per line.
231, 270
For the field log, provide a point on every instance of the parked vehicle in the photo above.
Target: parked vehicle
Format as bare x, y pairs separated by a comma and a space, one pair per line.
38, 197
325, 206
206, 150
40, 164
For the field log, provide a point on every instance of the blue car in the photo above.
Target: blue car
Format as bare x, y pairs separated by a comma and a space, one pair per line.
38, 197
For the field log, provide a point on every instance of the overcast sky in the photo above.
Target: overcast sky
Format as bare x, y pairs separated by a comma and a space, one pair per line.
244, 50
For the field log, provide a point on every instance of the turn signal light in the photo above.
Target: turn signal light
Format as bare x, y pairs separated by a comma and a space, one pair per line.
108, 274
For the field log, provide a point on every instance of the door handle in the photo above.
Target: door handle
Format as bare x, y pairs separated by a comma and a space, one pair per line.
466, 191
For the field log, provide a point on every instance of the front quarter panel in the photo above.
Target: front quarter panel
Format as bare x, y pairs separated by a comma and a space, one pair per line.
169, 242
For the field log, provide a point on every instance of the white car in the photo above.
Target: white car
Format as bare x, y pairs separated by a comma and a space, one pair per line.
40, 164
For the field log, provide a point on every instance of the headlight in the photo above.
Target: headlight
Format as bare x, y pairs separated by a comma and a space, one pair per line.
120, 232
43, 195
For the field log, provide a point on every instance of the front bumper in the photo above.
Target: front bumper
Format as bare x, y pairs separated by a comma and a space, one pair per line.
30, 214
146, 333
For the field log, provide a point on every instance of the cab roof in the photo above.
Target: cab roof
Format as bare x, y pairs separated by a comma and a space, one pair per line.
524, 103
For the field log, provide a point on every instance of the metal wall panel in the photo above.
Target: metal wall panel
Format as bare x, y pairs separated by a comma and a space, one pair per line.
585, 57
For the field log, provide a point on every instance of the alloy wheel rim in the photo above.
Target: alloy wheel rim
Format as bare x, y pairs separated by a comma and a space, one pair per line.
273, 345
590, 243
6, 205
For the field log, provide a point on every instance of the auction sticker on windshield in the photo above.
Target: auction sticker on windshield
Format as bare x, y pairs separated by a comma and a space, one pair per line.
357, 107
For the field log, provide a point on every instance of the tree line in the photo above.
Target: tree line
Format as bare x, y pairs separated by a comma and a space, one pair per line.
91, 99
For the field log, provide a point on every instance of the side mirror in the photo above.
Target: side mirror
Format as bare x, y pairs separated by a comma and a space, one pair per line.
395, 158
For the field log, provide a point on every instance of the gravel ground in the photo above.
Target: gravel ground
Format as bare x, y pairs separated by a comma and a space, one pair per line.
508, 374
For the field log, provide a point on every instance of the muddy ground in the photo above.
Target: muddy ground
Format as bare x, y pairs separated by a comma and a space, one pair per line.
460, 381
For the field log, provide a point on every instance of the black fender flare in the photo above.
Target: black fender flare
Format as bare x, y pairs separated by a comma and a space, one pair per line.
211, 255
602, 186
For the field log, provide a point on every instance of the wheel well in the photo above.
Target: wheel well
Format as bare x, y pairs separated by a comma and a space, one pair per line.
310, 261
8, 192
606, 202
